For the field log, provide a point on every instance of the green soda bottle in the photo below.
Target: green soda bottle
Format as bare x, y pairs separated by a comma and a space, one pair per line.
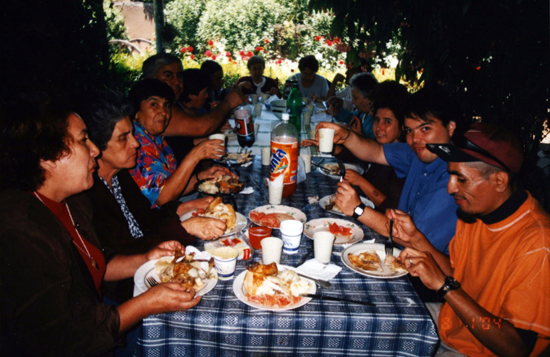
294, 106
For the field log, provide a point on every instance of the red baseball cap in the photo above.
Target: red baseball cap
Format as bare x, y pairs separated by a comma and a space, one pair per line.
489, 143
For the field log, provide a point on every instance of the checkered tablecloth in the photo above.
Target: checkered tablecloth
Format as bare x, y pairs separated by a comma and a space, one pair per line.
221, 325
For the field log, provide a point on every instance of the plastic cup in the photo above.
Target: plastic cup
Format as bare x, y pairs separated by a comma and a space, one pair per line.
276, 190
266, 156
218, 137
291, 232
326, 140
307, 118
310, 106
256, 234
322, 246
257, 110
225, 261
256, 128
265, 96
254, 98
306, 156
272, 248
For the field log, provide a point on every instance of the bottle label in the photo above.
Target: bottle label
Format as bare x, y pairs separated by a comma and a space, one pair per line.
243, 122
284, 161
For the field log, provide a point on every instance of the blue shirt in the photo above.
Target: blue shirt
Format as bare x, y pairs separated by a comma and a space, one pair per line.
424, 196
367, 121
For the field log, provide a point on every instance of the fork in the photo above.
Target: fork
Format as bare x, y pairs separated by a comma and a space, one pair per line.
152, 281
389, 244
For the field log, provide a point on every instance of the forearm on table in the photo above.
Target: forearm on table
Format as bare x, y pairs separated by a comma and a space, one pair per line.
375, 220
176, 183
365, 149
495, 333
123, 266
372, 192
184, 124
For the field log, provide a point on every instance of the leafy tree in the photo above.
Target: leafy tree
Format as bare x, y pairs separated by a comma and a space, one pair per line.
183, 16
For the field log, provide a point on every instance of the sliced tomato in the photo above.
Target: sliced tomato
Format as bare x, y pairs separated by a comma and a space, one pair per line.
339, 230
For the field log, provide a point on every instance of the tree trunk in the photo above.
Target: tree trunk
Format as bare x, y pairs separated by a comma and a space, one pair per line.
159, 24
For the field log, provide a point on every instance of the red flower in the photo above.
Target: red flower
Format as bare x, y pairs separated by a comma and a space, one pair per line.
230, 59
341, 62
249, 54
208, 53
183, 49
478, 68
228, 54
190, 49
234, 62
328, 42
266, 40
279, 61
265, 51
258, 49
214, 58
383, 72
211, 43
336, 40
241, 52
317, 38
192, 57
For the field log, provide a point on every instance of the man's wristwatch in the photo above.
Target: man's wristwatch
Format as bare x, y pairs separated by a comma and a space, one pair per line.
450, 284
358, 211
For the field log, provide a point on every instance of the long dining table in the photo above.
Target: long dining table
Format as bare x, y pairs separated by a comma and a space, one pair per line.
222, 325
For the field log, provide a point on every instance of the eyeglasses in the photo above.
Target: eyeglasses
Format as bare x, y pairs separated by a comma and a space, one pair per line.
462, 142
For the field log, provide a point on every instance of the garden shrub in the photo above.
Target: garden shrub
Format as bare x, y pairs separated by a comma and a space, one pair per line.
184, 17
114, 22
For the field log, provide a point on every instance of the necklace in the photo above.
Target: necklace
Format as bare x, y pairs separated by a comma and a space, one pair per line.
85, 250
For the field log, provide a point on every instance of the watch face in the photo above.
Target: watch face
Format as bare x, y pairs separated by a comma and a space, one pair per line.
358, 211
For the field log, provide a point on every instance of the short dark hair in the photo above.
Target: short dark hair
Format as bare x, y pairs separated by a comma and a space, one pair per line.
153, 64
436, 102
102, 113
308, 62
195, 81
148, 88
363, 83
32, 129
256, 60
391, 95
210, 67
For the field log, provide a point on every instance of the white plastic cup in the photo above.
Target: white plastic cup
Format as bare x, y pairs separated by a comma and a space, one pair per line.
257, 110
254, 98
310, 106
266, 156
322, 246
256, 128
307, 118
265, 96
225, 261
306, 156
326, 140
218, 137
272, 248
276, 190
291, 233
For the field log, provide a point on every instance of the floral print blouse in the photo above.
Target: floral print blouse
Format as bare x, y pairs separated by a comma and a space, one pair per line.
155, 163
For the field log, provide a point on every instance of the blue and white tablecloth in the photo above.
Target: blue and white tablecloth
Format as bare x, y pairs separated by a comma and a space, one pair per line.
221, 325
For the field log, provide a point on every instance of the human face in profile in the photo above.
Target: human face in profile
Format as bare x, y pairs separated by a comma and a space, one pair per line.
362, 103
420, 132
172, 74
121, 151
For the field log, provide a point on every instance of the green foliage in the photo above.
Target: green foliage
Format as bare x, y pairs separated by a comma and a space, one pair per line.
184, 17
114, 21
243, 24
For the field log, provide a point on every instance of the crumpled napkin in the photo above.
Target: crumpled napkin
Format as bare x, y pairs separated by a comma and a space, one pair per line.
272, 98
247, 190
199, 255
313, 200
247, 164
344, 246
316, 270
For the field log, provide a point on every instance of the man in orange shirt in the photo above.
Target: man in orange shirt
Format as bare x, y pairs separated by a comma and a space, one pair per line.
496, 282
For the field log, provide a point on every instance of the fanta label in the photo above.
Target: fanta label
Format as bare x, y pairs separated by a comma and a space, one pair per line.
284, 161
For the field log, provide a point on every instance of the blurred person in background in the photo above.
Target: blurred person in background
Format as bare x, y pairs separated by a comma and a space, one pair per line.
257, 83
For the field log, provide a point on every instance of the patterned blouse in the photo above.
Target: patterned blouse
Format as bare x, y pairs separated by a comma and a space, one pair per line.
135, 231
155, 163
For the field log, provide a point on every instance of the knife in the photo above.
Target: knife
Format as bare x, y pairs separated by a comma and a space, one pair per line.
332, 298
342, 169
304, 258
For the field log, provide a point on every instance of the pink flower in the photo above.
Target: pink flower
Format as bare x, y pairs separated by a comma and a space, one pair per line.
192, 57
246, 58
211, 43
266, 40
249, 54
317, 38
214, 57
279, 61
208, 53
328, 42
183, 49
228, 54
190, 49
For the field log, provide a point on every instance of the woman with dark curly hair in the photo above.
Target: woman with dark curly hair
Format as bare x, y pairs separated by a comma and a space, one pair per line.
51, 260
311, 84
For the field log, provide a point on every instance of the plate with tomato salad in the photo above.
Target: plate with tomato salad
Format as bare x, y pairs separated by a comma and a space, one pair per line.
271, 216
346, 232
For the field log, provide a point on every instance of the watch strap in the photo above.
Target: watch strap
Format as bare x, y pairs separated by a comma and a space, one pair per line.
450, 284
362, 206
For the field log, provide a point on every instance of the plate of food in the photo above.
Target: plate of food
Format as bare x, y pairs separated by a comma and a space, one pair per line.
272, 287
346, 232
237, 158
370, 259
235, 221
271, 216
332, 169
328, 204
225, 185
199, 275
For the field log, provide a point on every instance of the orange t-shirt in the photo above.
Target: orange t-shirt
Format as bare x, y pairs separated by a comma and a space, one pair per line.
505, 268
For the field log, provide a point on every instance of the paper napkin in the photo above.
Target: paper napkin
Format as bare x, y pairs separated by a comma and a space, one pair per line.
316, 270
